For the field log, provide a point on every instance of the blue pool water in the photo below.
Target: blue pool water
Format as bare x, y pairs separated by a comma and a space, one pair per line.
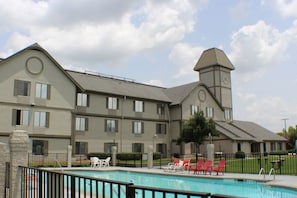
242, 188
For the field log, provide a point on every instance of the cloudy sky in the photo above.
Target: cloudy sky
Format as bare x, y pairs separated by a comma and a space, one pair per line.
159, 41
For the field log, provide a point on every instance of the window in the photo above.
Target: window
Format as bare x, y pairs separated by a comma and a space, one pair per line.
108, 146
41, 119
227, 114
209, 112
40, 147
22, 88
82, 100
162, 148
111, 125
194, 109
138, 127
81, 148
42, 91
138, 147
81, 124
138, 106
20, 117
112, 103
280, 146
160, 109
160, 128
238, 147
273, 146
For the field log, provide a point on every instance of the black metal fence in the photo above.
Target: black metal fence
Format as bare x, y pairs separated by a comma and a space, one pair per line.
248, 163
44, 183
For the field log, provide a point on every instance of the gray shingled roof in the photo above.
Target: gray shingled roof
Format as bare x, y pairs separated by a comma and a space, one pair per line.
213, 57
96, 83
178, 94
245, 130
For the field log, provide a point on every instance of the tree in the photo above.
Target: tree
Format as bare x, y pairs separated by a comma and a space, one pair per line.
292, 137
197, 129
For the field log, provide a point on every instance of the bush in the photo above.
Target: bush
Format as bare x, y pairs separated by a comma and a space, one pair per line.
99, 155
157, 156
278, 153
240, 154
129, 156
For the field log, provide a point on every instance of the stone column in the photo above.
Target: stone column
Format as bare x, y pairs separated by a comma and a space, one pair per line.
114, 155
150, 156
3, 175
69, 156
19, 142
210, 152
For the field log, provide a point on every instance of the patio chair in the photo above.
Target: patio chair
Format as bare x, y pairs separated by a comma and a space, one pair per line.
186, 164
170, 165
179, 166
198, 167
95, 162
105, 163
220, 168
207, 167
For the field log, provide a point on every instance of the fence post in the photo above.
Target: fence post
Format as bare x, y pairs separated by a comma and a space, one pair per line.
69, 156
130, 192
4, 159
242, 165
19, 142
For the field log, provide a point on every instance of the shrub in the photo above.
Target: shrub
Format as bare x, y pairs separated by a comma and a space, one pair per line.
240, 154
278, 153
129, 156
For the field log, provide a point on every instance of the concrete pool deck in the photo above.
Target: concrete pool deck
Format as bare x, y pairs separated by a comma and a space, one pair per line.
286, 181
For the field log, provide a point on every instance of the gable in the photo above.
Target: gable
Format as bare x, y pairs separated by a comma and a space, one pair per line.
35, 65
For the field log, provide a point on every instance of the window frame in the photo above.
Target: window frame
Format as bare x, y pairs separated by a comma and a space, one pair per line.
160, 109
79, 150
42, 90
138, 147
137, 127
43, 119
209, 112
22, 88
43, 144
112, 103
20, 117
138, 106
82, 126
194, 109
82, 100
161, 128
111, 125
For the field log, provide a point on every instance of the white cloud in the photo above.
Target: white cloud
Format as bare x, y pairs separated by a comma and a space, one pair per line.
266, 110
99, 32
185, 57
286, 8
256, 48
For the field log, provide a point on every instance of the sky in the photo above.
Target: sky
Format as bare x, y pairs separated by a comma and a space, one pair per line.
158, 42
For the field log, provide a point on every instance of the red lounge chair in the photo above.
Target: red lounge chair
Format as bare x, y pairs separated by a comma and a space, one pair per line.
207, 167
198, 167
220, 168
186, 164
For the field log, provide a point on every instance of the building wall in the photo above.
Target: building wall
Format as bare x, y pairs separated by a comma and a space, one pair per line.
97, 112
59, 105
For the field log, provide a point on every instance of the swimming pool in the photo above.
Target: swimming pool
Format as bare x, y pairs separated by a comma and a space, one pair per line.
232, 187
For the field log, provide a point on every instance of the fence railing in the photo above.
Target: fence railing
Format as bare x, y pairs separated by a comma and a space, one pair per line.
51, 184
249, 163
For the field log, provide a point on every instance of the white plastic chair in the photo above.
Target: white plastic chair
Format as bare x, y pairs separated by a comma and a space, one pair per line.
95, 162
105, 163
